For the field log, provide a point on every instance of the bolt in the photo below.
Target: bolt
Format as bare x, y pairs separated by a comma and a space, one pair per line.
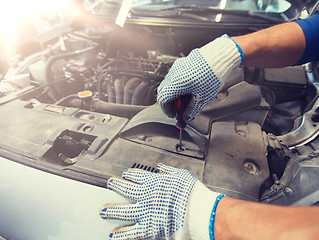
179, 147
141, 137
87, 129
289, 192
251, 168
107, 117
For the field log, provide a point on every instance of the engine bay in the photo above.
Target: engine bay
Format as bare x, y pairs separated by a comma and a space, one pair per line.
84, 106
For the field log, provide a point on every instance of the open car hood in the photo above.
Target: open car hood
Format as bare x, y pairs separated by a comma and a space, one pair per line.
83, 106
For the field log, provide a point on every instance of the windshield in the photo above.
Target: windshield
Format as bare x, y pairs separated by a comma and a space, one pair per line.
267, 6
251, 5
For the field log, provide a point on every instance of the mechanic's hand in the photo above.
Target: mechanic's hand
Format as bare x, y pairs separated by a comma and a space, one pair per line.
202, 73
170, 204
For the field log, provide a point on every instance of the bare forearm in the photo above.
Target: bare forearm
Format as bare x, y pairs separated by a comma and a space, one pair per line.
278, 46
236, 219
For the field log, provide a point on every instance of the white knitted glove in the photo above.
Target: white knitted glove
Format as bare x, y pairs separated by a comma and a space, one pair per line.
170, 204
202, 73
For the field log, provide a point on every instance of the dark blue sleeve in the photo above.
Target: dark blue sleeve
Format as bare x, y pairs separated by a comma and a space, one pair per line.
310, 27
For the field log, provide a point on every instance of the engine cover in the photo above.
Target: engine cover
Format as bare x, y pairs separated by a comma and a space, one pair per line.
236, 163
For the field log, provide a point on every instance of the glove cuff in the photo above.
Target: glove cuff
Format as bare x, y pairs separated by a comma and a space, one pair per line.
222, 55
201, 203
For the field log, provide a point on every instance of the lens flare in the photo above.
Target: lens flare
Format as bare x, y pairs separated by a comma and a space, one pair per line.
20, 18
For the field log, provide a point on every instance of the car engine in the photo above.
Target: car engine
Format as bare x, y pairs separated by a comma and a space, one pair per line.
83, 105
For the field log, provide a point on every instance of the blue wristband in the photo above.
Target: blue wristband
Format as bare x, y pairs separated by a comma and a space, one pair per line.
310, 27
212, 217
239, 49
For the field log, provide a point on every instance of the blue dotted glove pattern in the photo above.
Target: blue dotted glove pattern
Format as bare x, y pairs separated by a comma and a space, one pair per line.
188, 75
161, 200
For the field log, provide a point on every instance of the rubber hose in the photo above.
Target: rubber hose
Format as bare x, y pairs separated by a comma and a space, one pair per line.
66, 99
121, 110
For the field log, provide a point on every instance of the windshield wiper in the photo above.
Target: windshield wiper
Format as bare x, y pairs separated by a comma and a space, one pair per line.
191, 10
